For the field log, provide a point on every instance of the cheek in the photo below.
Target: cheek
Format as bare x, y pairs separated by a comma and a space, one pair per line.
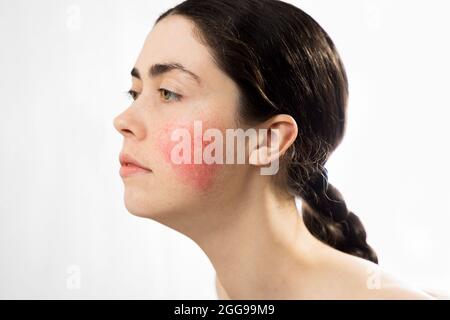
198, 176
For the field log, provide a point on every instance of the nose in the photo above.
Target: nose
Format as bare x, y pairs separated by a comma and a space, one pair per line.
129, 125
120, 125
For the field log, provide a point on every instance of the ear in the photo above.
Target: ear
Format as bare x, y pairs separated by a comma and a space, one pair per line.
281, 132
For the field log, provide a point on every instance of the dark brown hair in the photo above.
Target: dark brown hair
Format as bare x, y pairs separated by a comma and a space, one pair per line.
285, 63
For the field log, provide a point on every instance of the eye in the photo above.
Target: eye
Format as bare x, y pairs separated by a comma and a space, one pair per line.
168, 95
133, 94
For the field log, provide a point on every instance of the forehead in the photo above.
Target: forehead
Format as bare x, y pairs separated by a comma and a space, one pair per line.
172, 41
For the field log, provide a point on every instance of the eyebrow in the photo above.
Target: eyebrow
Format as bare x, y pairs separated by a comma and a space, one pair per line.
162, 68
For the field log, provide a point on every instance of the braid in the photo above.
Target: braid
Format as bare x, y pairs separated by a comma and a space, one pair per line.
327, 217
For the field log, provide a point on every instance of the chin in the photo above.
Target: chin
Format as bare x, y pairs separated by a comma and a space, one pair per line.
147, 205
137, 211
139, 203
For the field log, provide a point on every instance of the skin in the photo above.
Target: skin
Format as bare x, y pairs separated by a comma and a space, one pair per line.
251, 231
199, 177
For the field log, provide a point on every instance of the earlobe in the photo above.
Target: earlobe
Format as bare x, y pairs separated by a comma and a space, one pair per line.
259, 156
268, 150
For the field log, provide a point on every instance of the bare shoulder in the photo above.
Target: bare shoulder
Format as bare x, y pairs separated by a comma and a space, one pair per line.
402, 293
367, 280
350, 278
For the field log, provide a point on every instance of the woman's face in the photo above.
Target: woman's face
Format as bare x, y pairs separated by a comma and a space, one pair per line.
167, 99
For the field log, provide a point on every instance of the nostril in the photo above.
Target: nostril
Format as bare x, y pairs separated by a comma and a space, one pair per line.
121, 125
126, 132
127, 126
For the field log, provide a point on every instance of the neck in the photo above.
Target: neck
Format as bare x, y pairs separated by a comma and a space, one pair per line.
259, 247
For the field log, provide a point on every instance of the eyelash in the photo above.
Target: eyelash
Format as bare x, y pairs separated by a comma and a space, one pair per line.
134, 95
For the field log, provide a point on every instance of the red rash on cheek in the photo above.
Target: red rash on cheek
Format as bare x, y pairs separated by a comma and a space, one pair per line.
198, 176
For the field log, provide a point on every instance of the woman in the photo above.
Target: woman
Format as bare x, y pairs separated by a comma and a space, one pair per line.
249, 64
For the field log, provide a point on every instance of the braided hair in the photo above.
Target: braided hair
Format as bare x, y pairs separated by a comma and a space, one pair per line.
326, 215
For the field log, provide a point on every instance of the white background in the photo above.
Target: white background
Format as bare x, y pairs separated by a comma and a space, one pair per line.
64, 70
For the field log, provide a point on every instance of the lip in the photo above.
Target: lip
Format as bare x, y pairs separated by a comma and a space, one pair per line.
130, 166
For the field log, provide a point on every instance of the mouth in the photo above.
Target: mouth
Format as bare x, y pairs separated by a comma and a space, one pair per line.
130, 166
